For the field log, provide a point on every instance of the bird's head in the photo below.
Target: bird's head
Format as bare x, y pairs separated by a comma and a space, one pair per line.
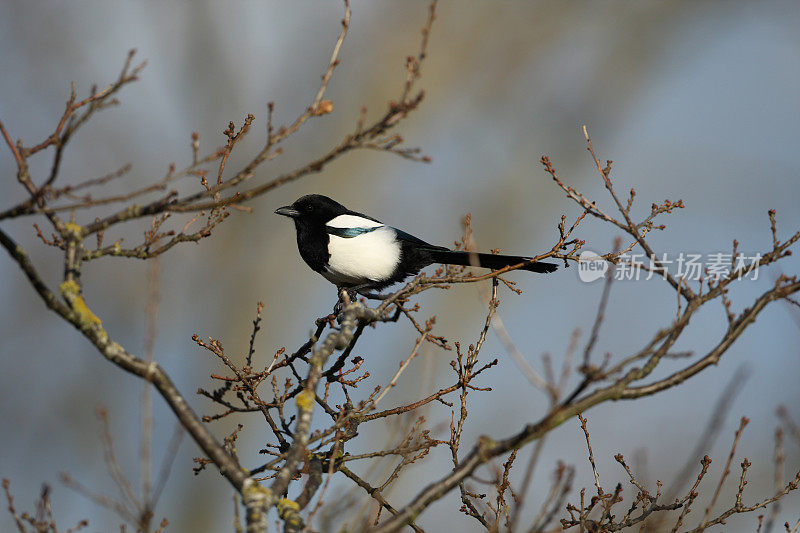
312, 209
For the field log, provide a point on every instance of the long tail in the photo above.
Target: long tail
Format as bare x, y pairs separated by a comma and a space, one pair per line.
450, 257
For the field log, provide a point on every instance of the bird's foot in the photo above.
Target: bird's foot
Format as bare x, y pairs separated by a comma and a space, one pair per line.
346, 295
351, 294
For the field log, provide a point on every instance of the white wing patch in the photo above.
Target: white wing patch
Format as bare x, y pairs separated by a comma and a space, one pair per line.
352, 221
368, 257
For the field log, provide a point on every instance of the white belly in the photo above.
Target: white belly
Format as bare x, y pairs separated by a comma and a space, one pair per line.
369, 257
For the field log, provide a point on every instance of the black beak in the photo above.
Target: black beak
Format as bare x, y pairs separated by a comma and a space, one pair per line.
287, 211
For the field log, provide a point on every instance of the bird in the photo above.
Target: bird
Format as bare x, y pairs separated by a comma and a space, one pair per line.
359, 253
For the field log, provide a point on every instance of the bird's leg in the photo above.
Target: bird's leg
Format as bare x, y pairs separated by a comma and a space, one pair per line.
338, 307
355, 290
346, 295
352, 293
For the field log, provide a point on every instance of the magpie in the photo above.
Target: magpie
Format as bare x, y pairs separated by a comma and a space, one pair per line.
357, 252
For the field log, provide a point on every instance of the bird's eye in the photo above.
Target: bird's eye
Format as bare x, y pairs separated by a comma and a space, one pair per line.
309, 208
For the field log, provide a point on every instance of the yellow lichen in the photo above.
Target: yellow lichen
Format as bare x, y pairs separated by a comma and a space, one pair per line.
85, 314
288, 511
305, 400
75, 229
69, 287
71, 292
252, 489
286, 503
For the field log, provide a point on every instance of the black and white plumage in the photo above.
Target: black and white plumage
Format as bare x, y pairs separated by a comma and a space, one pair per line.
355, 251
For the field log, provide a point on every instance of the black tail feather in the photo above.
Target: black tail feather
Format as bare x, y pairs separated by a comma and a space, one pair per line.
492, 261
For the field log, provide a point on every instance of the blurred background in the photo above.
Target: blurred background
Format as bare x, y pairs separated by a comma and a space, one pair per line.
692, 100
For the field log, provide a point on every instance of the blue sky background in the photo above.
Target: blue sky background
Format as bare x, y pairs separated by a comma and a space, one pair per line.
692, 100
